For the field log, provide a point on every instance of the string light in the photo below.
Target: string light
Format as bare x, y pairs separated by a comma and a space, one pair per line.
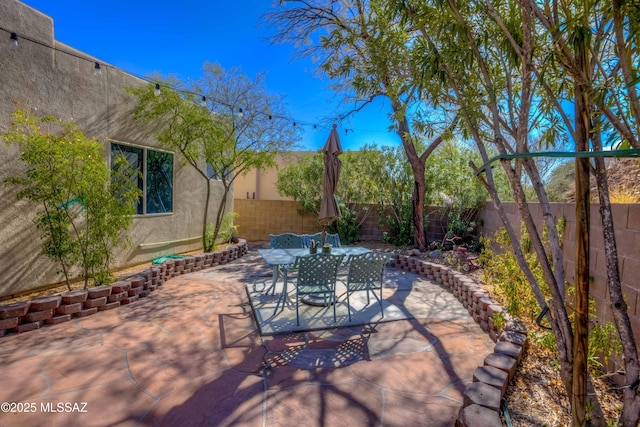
203, 102
13, 40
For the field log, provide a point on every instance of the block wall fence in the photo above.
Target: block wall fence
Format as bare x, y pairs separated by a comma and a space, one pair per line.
626, 219
258, 218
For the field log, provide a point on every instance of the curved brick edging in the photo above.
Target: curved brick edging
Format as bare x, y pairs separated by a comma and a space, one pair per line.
50, 310
481, 404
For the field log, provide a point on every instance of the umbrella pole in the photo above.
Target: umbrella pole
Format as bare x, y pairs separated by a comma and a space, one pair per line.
324, 235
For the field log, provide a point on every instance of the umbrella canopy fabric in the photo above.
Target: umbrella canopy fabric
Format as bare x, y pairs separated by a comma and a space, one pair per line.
329, 209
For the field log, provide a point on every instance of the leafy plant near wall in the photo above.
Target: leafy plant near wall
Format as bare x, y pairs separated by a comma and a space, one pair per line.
227, 230
347, 225
213, 138
502, 272
395, 202
302, 180
512, 290
82, 207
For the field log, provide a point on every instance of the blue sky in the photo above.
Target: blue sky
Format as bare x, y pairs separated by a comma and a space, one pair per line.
142, 36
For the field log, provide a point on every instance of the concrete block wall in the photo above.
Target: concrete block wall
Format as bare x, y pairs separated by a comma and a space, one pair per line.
259, 218
626, 219
50, 310
481, 398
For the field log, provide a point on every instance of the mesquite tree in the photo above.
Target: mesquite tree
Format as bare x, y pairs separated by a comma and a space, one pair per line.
81, 206
217, 141
367, 57
513, 66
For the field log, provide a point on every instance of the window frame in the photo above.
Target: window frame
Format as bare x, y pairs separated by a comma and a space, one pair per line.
144, 180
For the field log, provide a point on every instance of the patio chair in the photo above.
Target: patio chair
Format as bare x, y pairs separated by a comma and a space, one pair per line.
317, 274
366, 273
332, 239
286, 241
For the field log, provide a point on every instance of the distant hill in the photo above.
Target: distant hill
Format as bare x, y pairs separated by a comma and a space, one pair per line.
623, 177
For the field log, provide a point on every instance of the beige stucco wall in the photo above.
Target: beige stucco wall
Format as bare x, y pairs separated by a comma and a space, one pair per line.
260, 184
44, 81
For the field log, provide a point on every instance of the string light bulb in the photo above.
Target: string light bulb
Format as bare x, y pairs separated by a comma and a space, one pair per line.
203, 101
97, 71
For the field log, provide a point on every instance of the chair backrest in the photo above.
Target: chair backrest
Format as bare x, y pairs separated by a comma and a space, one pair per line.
286, 241
332, 239
317, 271
367, 267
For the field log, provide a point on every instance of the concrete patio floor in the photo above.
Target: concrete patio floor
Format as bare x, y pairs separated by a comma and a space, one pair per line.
190, 354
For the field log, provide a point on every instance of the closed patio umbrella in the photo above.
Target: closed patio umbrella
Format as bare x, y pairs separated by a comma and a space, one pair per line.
329, 209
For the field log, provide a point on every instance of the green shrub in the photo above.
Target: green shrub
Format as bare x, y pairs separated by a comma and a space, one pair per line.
81, 206
227, 230
502, 271
346, 225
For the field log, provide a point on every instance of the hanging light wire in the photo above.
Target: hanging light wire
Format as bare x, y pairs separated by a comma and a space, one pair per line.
97, 70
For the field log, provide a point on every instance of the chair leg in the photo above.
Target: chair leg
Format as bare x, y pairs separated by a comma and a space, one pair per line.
297, 309
380, 301
335, 302
283, 297
349, 304
274, 278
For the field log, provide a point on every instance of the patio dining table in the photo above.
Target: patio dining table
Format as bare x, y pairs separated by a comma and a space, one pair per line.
278, 258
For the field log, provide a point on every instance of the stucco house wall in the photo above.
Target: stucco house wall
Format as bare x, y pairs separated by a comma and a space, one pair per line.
260, 184
40, 77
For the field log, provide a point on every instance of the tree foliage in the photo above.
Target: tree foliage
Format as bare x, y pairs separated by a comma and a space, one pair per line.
358, 187
82, 207
367, 56
513, 68
215, 140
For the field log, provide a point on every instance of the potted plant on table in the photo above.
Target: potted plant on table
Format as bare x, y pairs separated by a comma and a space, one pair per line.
313, 248
326, 249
